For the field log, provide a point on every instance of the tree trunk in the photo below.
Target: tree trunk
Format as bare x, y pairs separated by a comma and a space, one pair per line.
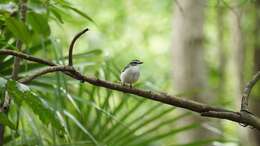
221, 50
255, 103
188, 65
237, 55
237, 50
187, 53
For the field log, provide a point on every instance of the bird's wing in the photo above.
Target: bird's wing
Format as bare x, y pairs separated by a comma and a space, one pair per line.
128, 65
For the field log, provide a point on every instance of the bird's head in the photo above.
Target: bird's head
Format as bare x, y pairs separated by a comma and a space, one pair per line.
135, 62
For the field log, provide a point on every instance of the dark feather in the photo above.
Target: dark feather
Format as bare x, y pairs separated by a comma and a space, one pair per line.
128, 65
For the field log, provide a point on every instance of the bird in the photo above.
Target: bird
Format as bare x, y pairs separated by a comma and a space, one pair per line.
131, 72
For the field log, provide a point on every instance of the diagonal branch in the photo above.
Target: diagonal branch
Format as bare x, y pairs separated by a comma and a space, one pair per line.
201, 108
72, 45
247, 90
26, 56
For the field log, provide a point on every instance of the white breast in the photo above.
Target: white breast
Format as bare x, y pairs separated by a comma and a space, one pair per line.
130, 75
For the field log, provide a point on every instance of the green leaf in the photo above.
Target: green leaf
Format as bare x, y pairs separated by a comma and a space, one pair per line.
39, 23
80, 13
70, 116
56, 12
123, 135
5, 121
17, 91
3, 117
71, 99
19, 29
115, 128
3, 82
148, 140
22, 93
153, 129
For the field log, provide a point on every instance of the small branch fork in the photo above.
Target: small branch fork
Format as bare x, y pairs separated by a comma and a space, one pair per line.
205, 110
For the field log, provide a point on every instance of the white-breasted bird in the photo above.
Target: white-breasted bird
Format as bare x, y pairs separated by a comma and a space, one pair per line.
130, 74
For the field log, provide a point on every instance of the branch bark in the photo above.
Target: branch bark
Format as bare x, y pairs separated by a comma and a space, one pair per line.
28, 79
26, 57
247, 90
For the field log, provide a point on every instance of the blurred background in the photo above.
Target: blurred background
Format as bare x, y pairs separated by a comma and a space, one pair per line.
204, 50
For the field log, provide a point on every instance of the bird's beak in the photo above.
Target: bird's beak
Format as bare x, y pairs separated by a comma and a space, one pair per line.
141, 62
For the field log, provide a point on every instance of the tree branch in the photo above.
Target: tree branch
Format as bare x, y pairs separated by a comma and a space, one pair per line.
28, 79
72, 45
247, 90
244, 118
201, 108
29, 57
26, 57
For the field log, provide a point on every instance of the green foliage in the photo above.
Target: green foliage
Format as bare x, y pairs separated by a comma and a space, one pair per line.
22, 93
2, 88
39, 23
19, 29
78, 12
57, 110
4, 120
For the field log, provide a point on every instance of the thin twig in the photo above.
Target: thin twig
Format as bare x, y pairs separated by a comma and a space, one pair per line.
72, 45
